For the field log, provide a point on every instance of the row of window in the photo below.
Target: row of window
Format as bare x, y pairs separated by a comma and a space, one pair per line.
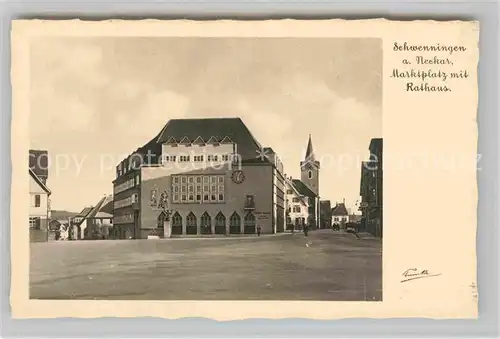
340, 219
198, 141
198, 179
198, 188
297, 222
190, 188
196, 158
200, 198
132, 182
127, 201
123, 219
295, 209
131, 163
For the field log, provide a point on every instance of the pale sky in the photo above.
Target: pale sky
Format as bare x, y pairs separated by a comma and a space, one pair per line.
94, 100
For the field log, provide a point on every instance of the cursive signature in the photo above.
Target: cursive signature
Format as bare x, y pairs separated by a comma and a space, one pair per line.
415, 273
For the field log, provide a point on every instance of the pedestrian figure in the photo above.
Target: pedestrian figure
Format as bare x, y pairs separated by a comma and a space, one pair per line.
258, 230
306, 229
293, 228
354, 232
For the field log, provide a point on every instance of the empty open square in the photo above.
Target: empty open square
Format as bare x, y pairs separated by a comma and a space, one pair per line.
327, 265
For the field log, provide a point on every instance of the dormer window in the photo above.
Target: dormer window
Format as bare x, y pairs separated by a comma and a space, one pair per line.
310, 174
185, 141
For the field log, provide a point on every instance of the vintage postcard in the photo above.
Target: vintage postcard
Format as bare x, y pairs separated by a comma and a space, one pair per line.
233, 170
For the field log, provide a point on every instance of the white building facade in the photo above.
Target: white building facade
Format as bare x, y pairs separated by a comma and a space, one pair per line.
39, 209
297, 206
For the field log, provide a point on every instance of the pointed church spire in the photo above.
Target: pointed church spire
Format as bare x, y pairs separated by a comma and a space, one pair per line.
309, 151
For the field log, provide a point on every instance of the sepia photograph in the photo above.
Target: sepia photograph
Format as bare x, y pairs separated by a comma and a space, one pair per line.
253, 172
233, 170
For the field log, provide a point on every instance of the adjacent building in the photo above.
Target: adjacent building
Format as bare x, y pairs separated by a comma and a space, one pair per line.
325, 211
371, 189
297, 206
94, 222
340, 215
76, 221
307, 189
209, 176
312, 201
39, 210
39, 196
355, 218
99, 222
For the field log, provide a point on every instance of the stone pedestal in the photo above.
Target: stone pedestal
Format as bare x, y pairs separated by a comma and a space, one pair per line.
167, 229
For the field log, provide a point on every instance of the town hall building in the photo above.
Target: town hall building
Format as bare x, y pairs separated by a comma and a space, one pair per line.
207, 176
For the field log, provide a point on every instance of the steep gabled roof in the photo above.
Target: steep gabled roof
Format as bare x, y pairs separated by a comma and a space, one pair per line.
233, 128
296, 192
185, 141
199, 141
103, 209
83, 214
340, 210
303, 189
107, 205
226, 129
39, 182
226, 140
171, 141
213, 140
39, 162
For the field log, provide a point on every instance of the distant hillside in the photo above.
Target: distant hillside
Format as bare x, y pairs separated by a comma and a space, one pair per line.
55, 214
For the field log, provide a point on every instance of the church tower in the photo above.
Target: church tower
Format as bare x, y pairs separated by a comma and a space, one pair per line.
309, 169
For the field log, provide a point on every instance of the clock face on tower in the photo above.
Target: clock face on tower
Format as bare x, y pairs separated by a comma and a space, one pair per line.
238, 177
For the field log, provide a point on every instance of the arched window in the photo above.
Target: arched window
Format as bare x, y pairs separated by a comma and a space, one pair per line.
206, 224
220, 223
176, 223
160, 220
235, 223
191, 227
310, 174
249, 223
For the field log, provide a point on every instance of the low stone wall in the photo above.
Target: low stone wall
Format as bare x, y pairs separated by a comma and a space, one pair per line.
40, 235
